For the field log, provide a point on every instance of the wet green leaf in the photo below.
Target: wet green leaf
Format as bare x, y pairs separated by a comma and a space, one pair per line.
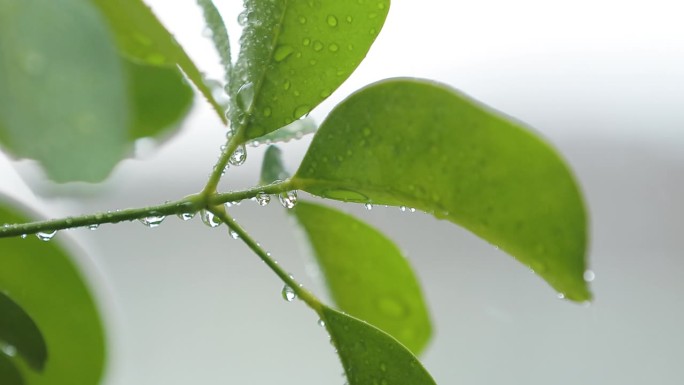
9, 374
369, 355
62, 88
272, 168
141, 36
367, 275
415, 143
219, 34
296, 53
43, 280
18, 330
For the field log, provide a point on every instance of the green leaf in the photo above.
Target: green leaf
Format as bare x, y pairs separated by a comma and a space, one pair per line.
141, 36
272, 168
294, 130
369, 355
219, 34
62, 88
9, 374
159, 98
366, 274
19, 331
43, 280
415, 143
296, 53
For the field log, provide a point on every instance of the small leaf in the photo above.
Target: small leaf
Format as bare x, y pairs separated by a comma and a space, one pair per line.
159, 98
9, 374
19, 331
366, 274
219, 34
408, 142
62, 88
295, 130
141, 36
272, 168
42, 279
369, 355
296, 53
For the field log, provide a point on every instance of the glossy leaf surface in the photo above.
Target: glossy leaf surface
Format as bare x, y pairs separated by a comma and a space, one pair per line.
62, 88
370, 356
367, 275
141, 36
41, 278
415, 143
296, 53
219, 34
18, 330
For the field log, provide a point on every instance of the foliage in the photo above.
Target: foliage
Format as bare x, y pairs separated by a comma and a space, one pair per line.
412, 143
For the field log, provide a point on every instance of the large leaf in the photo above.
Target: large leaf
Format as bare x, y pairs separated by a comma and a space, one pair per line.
420, 144
18, 329
62, 88
296, 53
370, 356
41, 278
141, 36
366, 274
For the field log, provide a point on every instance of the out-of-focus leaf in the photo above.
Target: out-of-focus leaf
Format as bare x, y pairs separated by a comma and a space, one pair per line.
272, 168
19, 331
294, 54
141, 36
367, 275
294, 130
62, 88
9, 374
369, 355
219, 34
415, 143
43, 280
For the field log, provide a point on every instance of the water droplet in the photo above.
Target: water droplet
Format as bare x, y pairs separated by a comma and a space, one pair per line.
383, 367
560, 295
306, 42
242, 18
288, 293
333, 47
381, 5
317, 45
23, 236
300, 111
233, 234
372, 31
210, 219
94, 226
302, 20
288, 199
411, 209
321, 323
46, 235
369, 206
402, 208
349, 19
238, 157
286, 85
267, 111
263, 199
282, 52
332, 21
245, 96
8, 349
207, 32
152, 221
186, 216
589, 276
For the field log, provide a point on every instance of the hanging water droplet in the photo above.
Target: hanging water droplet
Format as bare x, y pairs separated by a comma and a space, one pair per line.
239, 156
23, 236
152, 221
263, 199
186, 216
288, 293
288, 199
94, 226
560, 295
245, 96
402, 208
368, 206
210, 219
242, 18
46, 235
589, 276
301, 111
321, 323
411, 209
233, 234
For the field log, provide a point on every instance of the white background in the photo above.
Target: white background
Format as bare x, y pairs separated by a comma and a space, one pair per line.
602, 80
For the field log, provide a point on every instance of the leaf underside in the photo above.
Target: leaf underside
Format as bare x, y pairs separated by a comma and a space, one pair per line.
18, 329
416, 143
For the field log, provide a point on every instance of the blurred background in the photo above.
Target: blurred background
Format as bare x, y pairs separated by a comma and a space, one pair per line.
601, 80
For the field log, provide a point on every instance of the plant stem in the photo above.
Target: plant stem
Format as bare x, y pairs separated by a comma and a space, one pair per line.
273, 188
232, 143
305, 295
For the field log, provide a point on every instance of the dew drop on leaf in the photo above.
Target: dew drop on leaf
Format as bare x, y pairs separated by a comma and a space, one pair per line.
282, 52
152, 221
368, 206
589, 276
209, 219
46, 235
560, 295
321, 323
332, 21
263, 199
239, 156
288, 199
245, 96
333, 47
8, 349
300, 111
288, 294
